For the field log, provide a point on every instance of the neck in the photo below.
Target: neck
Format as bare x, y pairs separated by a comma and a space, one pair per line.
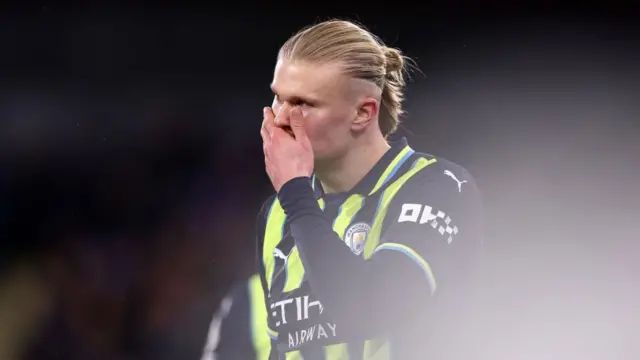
345, 173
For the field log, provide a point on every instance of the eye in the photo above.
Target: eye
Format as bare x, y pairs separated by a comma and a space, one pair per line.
301, 102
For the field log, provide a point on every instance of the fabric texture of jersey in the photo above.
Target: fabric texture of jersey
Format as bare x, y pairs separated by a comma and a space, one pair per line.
414, 221
239, 327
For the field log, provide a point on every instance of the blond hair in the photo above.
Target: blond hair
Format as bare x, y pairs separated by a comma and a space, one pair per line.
362, 56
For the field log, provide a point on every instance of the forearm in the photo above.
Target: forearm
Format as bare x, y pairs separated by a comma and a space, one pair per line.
350, 288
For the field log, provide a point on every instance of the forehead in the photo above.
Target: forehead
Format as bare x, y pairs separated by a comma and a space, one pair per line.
302, 79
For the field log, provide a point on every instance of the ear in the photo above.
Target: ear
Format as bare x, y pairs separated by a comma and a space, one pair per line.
366, 113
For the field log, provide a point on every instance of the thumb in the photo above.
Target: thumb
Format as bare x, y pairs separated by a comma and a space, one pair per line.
296, 121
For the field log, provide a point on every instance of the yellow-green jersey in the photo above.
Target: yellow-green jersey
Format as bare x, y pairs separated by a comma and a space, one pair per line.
366, 273
238, 330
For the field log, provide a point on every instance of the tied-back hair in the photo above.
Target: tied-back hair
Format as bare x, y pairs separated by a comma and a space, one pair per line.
362, 55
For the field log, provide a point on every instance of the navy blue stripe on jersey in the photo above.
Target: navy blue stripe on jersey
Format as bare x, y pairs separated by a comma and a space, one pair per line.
394, 170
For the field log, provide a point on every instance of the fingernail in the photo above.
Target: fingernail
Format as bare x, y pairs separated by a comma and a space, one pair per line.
265, 111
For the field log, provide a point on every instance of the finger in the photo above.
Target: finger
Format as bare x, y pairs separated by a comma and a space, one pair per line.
277, 133
296, 120
267, 165
277, 119
266, 139
267, 119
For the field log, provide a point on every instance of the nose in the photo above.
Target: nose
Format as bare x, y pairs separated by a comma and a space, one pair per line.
282, 115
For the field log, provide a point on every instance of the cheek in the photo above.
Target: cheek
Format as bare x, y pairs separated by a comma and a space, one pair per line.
325, 132
318, 125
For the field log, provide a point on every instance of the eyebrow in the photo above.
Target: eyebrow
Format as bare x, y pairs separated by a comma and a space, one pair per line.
294, 98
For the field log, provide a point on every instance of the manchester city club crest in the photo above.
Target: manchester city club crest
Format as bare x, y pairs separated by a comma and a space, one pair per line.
356, 237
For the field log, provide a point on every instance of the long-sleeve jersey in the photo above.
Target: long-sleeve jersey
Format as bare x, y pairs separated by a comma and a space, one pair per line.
372, 273
238, 330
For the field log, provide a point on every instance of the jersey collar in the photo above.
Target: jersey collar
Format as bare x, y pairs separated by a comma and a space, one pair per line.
383, 171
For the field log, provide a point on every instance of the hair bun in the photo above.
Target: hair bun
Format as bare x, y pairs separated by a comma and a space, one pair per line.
394, 59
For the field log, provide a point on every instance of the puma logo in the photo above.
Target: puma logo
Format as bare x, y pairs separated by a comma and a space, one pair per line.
451, 175
277, 253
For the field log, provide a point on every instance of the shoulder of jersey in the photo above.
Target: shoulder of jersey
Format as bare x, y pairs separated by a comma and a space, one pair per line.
445, 171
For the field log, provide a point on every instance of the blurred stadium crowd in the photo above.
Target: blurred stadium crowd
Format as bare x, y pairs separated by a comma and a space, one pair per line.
117, 250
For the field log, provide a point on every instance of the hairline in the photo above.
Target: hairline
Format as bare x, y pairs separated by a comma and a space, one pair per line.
349, 83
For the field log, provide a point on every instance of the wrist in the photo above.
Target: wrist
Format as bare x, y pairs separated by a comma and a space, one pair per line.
295, 187
296, 196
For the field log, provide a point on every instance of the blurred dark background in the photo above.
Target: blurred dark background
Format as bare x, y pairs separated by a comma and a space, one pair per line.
131, 168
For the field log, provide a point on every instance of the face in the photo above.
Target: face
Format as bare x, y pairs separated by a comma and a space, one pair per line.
334, 111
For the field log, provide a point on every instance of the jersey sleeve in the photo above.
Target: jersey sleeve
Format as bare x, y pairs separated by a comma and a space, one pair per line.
435, 224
